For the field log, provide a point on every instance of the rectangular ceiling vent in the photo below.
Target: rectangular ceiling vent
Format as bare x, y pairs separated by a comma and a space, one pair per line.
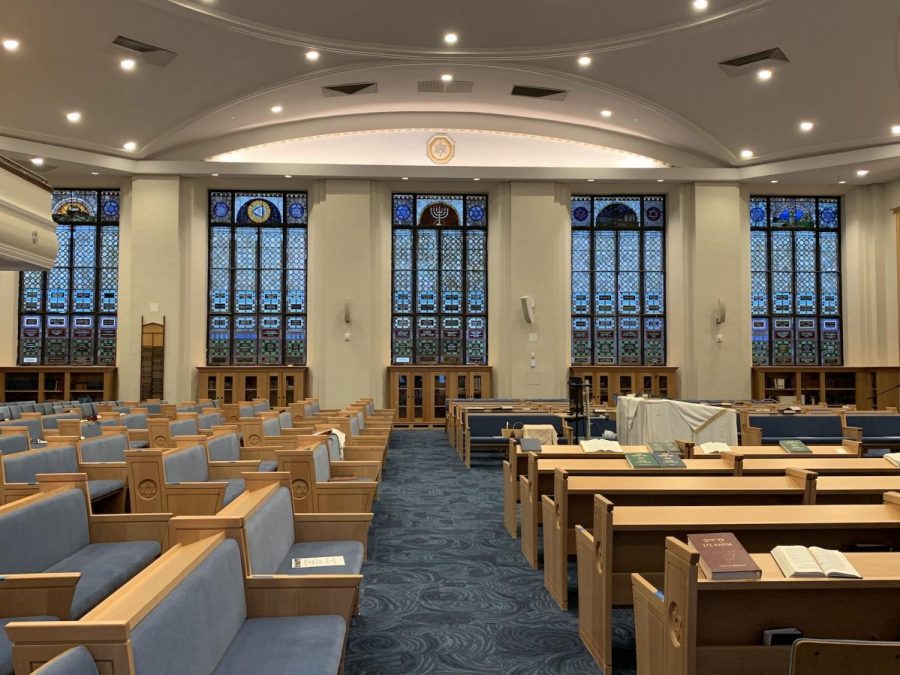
350, 89
539, 92
156, 56
441, 87
750, 63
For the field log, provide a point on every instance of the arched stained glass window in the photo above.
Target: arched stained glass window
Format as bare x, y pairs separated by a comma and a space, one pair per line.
439, 295
68, 316
257, 278
795, 287
618, 280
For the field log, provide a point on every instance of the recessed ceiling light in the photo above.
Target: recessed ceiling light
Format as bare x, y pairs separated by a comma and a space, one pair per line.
700, 5
746, 154
37, 161
773, 181
862, 172
130, 146
660, 180
476, 179
95, 173
312, 55
73, 116
584, 61
842, 182
451, 38
763, 74
590, 180
405, 178
447, 77
10, 44
127, 64
288, 176
806, 126
606, 113
895, 130
214, 175
277, 109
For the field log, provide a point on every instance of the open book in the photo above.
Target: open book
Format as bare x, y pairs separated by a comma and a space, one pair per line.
712, 448
800, 561
893, 458
600, 445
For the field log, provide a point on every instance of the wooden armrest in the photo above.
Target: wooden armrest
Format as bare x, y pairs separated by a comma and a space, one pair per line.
37, 594
258, 454
288, 595
852, 433
118, 527
331, 526
226, 470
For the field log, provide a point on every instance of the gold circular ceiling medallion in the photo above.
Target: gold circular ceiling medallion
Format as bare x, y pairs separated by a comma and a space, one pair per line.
440, 149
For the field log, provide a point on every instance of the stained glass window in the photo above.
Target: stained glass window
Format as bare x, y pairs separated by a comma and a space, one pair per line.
618, 280
439, 298
257, 278
68, 316
795, 281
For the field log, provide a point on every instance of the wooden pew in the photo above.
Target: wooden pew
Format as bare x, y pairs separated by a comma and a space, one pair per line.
847, 448
631, 539
694, 628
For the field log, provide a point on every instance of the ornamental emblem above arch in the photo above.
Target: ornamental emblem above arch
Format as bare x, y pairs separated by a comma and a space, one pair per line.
440, 149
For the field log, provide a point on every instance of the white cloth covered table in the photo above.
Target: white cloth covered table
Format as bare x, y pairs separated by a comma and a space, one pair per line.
641, 420
545, 433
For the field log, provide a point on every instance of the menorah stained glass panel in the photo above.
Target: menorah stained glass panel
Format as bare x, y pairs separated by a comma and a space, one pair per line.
439, 279
795, 280
618, 279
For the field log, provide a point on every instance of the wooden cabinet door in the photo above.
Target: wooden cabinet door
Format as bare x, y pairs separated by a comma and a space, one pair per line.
438, 393
402, 396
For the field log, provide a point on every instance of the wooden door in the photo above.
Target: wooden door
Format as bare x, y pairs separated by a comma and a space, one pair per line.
437, 395
401, 395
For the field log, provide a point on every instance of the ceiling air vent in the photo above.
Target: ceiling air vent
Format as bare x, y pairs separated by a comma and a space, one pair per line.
350, 89
441, 87
750, 63
539, 92
156, 56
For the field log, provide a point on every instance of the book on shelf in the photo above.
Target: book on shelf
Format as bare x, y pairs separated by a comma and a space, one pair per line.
712, 447
722, 558
663, 446
600, 445
781, 636
650, 460
812, 561
893, 458
794, 447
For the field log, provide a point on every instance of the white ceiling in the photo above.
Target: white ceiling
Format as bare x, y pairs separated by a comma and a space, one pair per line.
654, 66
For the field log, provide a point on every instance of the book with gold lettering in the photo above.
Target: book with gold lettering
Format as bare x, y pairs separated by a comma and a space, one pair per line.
723, 558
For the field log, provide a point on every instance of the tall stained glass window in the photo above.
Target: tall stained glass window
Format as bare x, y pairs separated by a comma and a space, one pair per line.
67, 316
618, 280
257, 278
439, 299
795, 289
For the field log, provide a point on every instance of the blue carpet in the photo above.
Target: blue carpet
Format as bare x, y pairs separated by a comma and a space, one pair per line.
446, 590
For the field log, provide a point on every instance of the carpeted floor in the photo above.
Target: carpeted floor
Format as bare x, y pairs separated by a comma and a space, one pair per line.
446, 590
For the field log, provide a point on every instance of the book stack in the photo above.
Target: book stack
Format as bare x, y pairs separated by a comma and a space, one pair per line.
654, 460
722, 558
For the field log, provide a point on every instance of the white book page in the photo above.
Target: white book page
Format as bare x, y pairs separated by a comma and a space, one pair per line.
834, 563
893, 458
329, 561
796, 561
713, 447
600, 445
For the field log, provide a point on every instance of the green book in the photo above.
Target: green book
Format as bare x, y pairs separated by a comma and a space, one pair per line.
669, 460
642, 460
795, 447
663, 446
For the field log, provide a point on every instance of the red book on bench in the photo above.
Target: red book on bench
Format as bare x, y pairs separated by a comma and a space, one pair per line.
723, 558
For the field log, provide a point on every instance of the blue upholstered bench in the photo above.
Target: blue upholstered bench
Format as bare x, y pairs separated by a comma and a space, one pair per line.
271, 544
881, 431
13, 443
208, 419
811, 429
322, 464
227, 448
110, 448
75, 661
190, 465
52, 421
136, 423
153, 408
25, 466
260, 406
34, 426
52, 535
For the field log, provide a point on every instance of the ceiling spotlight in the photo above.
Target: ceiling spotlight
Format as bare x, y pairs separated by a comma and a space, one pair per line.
37, 161
895, 130
130, 146
95, 173
288, 176
862, 172
447, 77
127, 64
405, 178
73, 116
746, 154
10, 44
842, 182
214, 175
590, 180
312, 55
700, 5
451, 38
277, 109
476, 179
763, 74
806, 126
773, 181
584, 61
606, 113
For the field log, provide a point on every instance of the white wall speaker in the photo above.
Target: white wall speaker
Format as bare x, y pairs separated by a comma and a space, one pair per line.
528, 308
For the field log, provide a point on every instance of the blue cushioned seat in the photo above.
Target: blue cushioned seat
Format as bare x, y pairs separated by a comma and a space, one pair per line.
24, 466
99, 489
224, 448
321, 463
77, 661
235, 487
104, 568
285, 419
208, 420
271, 427
33, 424
52, 421
268, 465
351, 550
13, 443
153, 408
260, 406
5, 413
185, 427
189, 465
91, 429
811, 429
135, 421
246, 411
877, 428
6, 660
104, 448
275, 646
308, 410
484, 428
139, 445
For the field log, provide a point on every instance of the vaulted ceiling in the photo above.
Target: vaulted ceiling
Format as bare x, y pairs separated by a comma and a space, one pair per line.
654, 68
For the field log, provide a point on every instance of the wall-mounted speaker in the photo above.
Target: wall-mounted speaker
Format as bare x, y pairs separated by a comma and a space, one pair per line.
528, 308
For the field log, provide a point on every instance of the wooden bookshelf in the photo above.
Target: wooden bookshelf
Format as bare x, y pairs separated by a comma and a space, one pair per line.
866, 388
58, 383
282, 385
607, 382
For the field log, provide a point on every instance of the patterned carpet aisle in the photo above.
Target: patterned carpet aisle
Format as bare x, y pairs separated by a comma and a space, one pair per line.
446, 590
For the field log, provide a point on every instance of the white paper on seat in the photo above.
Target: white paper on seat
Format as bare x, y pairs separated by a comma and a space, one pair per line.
545, 433
643, 420
328, 561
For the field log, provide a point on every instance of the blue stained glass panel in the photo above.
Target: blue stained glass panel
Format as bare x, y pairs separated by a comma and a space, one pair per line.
296, 208
296, 248
476, 250
581, 253
262, 208
629, 292
440, 210
271, 248
605, 251
829, 213
759, 251
245, 248
74, 206
758, 213
476, 293
427, 250
581, 293
617, 212
476, 211
782, 252
629, 251
109, 206
580, 211
654, 293
605, 293
426, 291
654, 212
404, 210
452, 292
828, 252
403, 249
220, 207
653, 251
452, 250
403, 291
759, 293
805, 251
